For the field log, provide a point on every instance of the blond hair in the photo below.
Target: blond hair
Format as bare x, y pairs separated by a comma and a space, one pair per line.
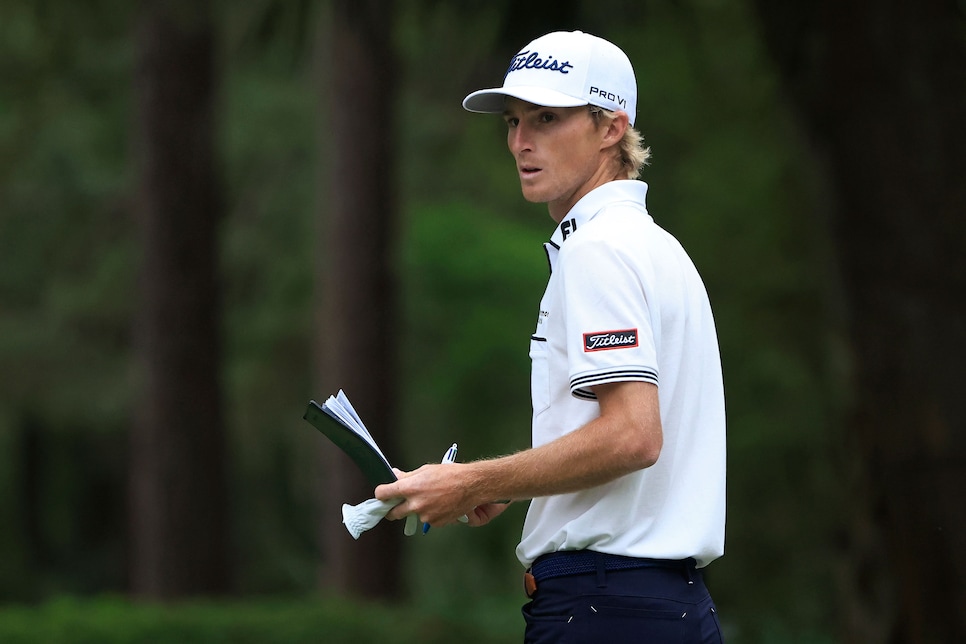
634, 154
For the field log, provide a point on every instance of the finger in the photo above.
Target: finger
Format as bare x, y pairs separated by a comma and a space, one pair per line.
483, 514
398, 512
386, 492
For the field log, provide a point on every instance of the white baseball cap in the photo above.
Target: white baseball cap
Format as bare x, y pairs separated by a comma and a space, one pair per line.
564, 69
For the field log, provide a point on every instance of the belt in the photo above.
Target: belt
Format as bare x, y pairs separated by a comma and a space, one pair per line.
579, 562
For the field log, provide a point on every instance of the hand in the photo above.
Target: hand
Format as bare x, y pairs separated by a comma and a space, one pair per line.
437, 494
483, 514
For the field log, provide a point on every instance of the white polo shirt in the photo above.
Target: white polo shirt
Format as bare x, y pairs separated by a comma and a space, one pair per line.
625, 303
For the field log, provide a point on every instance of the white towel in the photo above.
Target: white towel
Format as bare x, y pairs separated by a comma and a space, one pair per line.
362, 517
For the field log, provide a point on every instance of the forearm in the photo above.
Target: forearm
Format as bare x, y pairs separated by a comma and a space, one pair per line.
595, 454
625, 437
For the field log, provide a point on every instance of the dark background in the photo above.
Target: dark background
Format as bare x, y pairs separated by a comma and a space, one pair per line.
212, 212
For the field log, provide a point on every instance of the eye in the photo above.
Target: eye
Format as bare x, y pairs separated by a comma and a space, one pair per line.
511, 121
547, 117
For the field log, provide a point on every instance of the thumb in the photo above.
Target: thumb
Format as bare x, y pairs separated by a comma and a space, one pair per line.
386, 491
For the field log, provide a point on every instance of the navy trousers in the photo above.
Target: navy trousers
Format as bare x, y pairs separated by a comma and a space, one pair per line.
662, 603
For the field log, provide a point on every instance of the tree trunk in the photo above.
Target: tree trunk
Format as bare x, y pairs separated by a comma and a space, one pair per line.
357, 313
178, 496
882, 90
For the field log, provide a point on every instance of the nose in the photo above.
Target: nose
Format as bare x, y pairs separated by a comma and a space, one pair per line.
518, 139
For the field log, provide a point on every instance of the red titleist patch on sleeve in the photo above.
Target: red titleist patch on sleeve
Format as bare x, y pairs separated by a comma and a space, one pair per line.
603, 340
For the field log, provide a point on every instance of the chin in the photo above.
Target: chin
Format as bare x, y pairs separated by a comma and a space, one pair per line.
533, 196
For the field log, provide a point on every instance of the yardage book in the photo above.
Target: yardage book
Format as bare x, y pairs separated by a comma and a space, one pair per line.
337, 419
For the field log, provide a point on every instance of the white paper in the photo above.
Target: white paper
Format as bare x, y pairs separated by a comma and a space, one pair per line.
346, 413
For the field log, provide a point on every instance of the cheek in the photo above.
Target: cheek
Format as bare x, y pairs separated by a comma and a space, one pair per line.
576, 158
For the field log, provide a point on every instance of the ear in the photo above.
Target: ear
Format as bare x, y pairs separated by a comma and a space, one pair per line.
615, 129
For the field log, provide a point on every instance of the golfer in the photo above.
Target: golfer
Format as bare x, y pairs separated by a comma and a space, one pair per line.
626, 473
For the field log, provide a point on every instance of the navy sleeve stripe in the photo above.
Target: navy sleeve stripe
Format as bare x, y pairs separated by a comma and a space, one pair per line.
614, 375
579, 386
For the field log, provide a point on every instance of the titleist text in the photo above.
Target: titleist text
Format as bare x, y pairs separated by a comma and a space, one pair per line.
602, 340
532, 60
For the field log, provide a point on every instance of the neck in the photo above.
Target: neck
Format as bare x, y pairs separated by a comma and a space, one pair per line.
559, 209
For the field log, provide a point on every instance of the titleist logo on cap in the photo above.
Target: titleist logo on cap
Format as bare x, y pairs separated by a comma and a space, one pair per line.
531, 60
602, 340
582, 70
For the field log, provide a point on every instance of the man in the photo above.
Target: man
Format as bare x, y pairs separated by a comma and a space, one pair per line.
627, 469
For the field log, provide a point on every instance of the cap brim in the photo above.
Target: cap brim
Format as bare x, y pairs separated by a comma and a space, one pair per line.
491, 101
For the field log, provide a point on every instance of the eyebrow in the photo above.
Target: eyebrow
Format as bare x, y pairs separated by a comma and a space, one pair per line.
526, 107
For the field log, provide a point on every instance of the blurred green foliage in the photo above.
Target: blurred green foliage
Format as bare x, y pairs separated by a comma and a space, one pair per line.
289, 620
111, 620
730, 178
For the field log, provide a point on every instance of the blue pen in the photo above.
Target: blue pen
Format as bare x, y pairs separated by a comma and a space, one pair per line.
448, 457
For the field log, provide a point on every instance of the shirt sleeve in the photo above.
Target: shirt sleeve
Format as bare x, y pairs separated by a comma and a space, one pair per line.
610, 335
